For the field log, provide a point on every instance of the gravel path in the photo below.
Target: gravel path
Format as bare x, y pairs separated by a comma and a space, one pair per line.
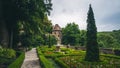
31, 60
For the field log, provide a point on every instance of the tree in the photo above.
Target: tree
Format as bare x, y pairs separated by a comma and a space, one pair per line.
71, 34
109, 39
106, 40
50, 40
92, 50
82, 38
30, 13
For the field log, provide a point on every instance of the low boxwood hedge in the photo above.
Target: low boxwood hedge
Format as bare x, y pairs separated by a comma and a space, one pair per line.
45, 63
18, 62
61, 63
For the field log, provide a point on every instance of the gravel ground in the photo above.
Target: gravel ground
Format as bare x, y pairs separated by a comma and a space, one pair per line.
31, 60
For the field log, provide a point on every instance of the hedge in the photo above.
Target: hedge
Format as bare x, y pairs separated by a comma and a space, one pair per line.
61, 63
45, 63
18, 62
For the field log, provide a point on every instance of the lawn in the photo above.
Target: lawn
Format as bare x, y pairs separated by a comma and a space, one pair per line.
71, 58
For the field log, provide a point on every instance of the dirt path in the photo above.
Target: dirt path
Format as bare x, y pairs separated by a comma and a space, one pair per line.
31, 60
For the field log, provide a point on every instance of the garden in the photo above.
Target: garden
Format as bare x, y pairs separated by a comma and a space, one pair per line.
70, 58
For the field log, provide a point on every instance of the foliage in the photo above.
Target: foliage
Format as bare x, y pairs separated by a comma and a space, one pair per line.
78, 62
106, 40
116, 35
75, 58
49, 53
30, 14
60, 63
7, 53
92, 50
109, 39
53, 40
71, 34
38, 41
82, 37
5, 61
18, 62
45, 63
50, 40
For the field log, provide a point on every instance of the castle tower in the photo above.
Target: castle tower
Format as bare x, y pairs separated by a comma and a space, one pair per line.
57, 32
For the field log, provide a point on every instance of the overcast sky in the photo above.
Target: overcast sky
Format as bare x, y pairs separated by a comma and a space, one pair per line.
106, 12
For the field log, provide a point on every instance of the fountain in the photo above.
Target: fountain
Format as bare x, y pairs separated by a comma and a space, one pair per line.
58, 47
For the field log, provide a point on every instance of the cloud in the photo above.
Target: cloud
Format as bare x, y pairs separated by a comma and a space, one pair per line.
106, 13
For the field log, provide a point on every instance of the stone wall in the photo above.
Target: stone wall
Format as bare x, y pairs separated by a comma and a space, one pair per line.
102, 50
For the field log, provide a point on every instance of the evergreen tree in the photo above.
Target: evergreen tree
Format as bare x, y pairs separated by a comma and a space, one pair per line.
92, 52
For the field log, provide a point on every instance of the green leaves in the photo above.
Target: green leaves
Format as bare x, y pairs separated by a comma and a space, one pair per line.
71, 34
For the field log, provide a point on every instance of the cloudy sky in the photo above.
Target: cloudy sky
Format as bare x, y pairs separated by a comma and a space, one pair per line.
106, 12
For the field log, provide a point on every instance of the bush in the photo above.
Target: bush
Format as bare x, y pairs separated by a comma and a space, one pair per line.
7, 53
5, 61
18, 62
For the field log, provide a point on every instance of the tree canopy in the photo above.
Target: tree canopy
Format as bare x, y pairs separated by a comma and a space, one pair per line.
71, 34
27, 15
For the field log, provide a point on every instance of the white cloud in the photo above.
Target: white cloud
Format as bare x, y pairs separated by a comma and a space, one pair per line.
66, 11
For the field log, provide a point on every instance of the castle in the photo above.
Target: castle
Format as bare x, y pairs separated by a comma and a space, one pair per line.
57, 32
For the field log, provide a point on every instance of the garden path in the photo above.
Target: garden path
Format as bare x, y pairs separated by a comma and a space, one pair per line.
31, 59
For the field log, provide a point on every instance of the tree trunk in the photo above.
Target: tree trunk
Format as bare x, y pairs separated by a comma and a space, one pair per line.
11, 38
4, 36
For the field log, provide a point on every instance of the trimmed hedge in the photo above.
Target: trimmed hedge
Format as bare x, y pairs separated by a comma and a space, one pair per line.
45, 62
18, 62
61, 63
111, 56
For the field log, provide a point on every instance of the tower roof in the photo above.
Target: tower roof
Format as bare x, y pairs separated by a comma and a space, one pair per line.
56, 27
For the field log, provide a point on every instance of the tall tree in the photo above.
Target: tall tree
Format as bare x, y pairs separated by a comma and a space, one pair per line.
92, 52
